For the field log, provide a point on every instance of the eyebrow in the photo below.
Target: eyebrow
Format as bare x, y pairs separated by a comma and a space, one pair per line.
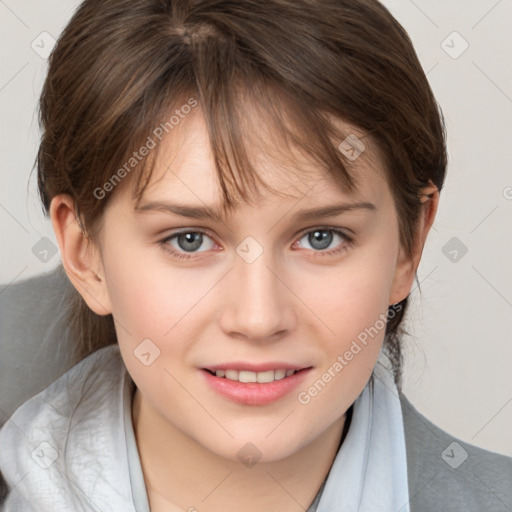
205, 212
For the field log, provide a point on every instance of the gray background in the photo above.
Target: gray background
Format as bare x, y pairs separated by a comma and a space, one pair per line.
459, 352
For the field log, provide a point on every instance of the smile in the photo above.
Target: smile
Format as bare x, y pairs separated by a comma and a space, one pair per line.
257, 386
246, 376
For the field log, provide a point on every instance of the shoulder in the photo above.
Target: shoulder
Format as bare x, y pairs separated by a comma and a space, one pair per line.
35, 341
90, 380
40, 295
449, 474
53, 428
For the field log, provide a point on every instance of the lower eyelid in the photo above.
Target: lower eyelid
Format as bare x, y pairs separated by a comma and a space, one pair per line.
347, 240
166, 242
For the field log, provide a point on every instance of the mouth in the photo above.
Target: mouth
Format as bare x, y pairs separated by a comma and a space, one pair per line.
246, 376
256, 386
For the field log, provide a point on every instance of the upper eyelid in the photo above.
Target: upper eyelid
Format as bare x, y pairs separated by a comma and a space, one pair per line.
326, 228
185, 231
348, 239
300, 233
298, 236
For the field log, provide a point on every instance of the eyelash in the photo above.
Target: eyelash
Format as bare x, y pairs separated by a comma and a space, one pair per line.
175, 253
348, 241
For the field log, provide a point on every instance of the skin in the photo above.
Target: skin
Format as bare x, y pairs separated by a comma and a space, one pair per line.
294, 303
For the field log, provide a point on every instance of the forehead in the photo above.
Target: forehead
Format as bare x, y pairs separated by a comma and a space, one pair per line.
184, 167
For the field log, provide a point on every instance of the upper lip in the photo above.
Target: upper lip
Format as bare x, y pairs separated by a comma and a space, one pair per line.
251, 367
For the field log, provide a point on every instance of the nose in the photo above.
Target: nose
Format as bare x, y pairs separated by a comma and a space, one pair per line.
257, 305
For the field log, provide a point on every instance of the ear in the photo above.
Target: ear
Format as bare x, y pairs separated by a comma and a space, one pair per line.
407, 265
81, 258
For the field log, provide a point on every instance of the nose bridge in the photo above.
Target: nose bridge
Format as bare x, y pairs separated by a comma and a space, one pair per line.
257, 305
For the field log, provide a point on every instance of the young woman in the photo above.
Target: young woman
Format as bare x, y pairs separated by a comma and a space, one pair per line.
241, 192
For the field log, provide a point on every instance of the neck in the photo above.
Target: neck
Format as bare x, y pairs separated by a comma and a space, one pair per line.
181, 474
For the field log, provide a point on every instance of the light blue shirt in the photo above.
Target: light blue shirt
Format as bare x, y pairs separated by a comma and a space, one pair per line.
140, 498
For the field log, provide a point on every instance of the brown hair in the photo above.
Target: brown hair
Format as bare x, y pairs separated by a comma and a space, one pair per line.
121, 66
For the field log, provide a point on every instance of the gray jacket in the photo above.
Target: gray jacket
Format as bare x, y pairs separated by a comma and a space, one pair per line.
450, 475
444, 473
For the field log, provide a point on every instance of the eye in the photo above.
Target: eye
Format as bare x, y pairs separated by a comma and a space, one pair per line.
324, 240
321, 239
188, 242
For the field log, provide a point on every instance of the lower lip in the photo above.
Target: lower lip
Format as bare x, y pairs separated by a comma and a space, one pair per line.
255, 393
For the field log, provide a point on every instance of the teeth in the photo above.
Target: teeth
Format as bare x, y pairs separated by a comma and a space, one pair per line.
232, 374
264, 377
247, 376
280, 374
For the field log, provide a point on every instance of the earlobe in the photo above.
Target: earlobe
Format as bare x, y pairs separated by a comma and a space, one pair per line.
81, 257
407, 265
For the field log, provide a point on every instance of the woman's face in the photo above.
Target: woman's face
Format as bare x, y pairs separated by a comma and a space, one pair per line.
301, 282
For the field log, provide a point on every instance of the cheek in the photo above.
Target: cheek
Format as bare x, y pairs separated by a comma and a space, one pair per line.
353, 302
347, 361
149, 297
352, 297
152, 301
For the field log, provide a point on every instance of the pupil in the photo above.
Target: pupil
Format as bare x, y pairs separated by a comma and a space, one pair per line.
320, 239
190, 241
